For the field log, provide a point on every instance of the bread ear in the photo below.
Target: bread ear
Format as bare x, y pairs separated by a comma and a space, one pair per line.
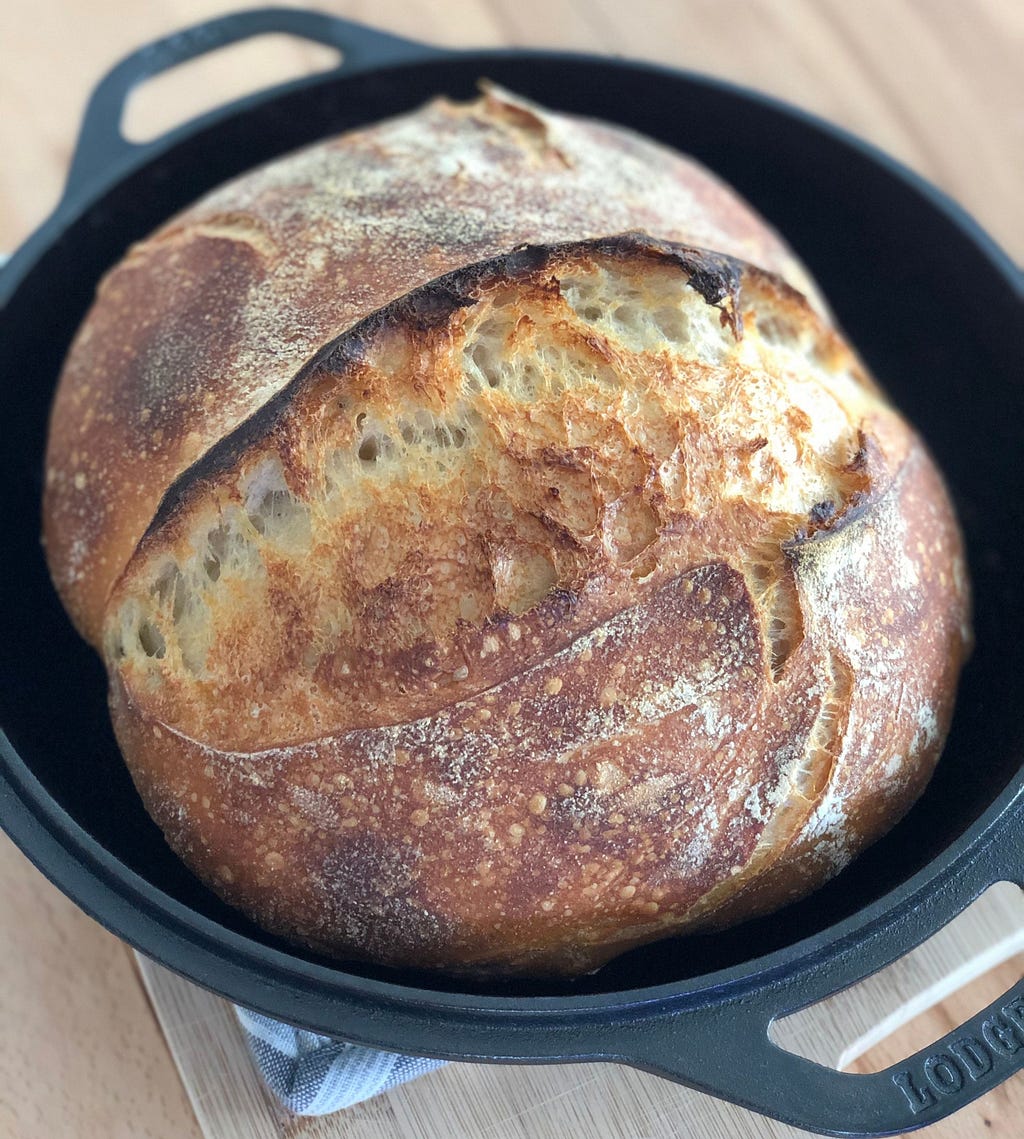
584, 595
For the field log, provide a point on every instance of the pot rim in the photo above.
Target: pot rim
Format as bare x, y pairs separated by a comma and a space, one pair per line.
139, 912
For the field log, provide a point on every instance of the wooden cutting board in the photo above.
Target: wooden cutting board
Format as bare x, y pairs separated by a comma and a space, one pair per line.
580, 1101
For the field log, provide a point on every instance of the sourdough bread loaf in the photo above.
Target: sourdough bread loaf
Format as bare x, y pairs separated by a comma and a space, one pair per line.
499, 561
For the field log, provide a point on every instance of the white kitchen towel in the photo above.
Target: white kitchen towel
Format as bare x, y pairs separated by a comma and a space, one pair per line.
315, 1075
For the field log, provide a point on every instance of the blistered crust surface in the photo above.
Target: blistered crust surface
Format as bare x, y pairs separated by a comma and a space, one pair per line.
203, 322
585, 595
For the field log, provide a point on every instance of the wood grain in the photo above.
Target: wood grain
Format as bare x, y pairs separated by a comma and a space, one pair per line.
464, 1101
935, 82
998, 1114
80, 1051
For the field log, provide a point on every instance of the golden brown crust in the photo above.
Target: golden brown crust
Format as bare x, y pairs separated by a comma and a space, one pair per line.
484, 592
583, 596
886, 602
204, 321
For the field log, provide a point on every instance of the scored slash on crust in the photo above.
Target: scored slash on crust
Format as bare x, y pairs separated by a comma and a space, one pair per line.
378, 594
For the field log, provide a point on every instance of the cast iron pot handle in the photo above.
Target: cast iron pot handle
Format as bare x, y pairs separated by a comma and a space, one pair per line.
727, 1051
102, 150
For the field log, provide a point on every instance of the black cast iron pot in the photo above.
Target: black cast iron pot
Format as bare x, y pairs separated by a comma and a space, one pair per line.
936, 310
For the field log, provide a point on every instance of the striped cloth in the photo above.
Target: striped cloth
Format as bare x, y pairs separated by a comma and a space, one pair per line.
315, 1075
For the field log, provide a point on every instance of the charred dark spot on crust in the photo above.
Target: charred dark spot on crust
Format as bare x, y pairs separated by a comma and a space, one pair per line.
431, 307
716, 277
822, 513
859, 461
863, 485
817, 529
335, 358
527, 259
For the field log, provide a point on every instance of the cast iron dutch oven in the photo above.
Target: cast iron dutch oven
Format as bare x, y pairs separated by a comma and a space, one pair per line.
935, 308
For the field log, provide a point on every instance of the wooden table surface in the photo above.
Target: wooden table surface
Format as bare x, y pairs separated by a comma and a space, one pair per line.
934, 82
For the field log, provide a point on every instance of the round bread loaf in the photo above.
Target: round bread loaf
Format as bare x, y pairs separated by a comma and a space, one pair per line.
498, 561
